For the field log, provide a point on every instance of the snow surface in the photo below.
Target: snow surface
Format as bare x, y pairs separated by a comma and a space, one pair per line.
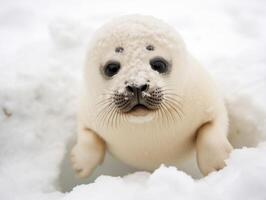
41, 57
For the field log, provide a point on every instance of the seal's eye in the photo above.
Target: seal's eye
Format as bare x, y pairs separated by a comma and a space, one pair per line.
159, 64
111, 68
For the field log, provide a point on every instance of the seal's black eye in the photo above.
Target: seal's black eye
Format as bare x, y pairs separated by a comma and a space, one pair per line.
111, 68
159, 64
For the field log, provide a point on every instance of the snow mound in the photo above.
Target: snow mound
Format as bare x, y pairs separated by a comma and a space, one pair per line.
42, 52
242, 179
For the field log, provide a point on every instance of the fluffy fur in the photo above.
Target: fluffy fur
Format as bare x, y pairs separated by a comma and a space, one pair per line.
192, 124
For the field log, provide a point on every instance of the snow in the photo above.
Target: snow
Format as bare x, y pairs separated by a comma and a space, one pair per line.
42, 52
169, 183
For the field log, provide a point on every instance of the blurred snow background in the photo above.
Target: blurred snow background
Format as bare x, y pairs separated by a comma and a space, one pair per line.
42, 48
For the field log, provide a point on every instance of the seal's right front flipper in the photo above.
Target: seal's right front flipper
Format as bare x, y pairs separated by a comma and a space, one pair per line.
88, 152
213, 147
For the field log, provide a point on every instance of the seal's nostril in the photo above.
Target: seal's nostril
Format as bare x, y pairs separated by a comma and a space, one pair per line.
144, 87
134, 89
129, 88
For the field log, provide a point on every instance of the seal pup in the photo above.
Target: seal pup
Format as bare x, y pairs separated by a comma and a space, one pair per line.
147, 101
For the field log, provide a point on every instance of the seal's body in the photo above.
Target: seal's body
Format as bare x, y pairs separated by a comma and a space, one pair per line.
148, 101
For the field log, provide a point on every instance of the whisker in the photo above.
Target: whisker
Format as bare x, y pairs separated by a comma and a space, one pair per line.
160, 112
177, 105
169, 111
103, 115
152, 103
110, 117
173, 100
172, 94
174, 108
123, 117
165, 113
116, 118
108, 92
101, 112
124, 105
111, 103
103, 101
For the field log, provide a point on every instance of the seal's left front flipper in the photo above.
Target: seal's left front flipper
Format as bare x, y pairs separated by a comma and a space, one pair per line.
212, 147
87, 153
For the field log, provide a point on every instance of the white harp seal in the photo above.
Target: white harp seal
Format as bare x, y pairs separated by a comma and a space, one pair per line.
148, 102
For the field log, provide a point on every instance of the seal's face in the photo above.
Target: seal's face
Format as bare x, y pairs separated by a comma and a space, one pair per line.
135, 65
135, 79
137, 94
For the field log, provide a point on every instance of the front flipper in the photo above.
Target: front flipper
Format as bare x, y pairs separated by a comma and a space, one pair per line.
212, 147
87, 153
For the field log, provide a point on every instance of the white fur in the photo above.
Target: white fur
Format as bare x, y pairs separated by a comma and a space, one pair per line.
201, 132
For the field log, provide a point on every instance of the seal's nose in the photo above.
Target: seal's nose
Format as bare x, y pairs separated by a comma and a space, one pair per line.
137, 89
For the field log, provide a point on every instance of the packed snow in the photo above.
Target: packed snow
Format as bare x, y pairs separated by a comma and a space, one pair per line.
42, 50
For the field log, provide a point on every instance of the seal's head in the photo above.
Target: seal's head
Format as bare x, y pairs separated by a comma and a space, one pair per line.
135, 67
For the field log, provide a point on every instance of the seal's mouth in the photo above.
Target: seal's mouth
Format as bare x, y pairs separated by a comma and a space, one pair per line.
139, 110
138, 102
139, 107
